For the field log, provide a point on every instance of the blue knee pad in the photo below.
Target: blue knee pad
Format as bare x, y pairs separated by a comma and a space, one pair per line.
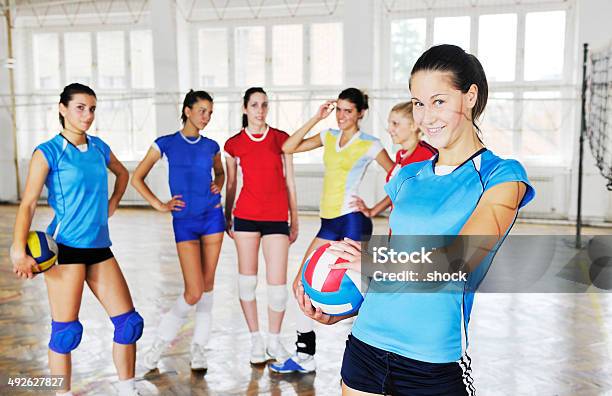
65, 336
128, 327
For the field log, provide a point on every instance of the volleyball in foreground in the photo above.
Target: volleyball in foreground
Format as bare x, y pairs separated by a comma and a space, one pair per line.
43, 249
335, 291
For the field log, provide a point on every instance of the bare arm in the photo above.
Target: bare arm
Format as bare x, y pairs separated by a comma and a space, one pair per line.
138, 182
380, 206
217, 184
37, 174
230, 191
122, 176
384, 160
297, 143
292, 195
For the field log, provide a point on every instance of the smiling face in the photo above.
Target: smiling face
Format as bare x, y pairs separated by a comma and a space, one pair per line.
257, 110
401, 127
79, 114
441, 110
199, 114
347, 115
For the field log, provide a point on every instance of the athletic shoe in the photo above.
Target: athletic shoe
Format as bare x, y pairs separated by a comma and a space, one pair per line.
198, 357
298, 363
153, 355
277, 352
258, 351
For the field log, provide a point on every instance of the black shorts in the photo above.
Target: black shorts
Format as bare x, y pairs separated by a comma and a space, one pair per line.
369, 369
87, 256
263, 227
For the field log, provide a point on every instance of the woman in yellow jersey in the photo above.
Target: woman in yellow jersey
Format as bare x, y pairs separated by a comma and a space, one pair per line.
348, 152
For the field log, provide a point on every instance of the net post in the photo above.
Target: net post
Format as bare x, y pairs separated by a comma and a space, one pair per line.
581, 149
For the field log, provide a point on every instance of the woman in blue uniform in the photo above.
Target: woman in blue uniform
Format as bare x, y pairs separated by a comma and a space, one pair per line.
198, 221
73, 165
464, 190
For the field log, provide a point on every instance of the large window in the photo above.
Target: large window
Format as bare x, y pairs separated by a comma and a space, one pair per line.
250, 56
287, 55
46, 61
326, 54
497, 46
452, 30
518, 48
408, 41
298, 64
119, 67
213, 58
77, 55
544, 45
111, 60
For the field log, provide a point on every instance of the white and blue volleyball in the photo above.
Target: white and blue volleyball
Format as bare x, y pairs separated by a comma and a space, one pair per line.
336, 291
43, 249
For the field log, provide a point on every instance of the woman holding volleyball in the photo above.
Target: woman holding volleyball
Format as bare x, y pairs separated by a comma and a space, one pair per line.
73, 166
464, 190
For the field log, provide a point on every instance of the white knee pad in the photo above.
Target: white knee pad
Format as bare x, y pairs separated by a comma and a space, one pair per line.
246, 287
277, 297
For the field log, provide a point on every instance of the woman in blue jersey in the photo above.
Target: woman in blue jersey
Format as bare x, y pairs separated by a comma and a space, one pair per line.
464, 190
73, 165
198, 221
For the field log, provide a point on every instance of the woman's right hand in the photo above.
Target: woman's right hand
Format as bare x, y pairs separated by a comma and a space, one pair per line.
174, 205
296, 283
229, 227
23, 264
314, 313
325, 109
360, 205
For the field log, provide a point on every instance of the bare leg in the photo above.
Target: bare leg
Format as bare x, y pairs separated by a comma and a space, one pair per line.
247, 245
107, 283
276, 251
65, 290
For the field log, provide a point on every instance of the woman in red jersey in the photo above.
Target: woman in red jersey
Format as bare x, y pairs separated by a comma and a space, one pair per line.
261, 215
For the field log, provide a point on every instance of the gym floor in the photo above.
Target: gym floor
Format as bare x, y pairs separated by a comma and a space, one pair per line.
521, 344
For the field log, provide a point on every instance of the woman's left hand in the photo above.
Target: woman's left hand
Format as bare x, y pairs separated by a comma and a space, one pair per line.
293, 232
348, 250
112, 207
214, 188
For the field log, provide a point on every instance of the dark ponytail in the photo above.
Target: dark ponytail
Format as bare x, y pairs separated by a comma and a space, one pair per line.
465, 70
191, 98
245, 102
71, 90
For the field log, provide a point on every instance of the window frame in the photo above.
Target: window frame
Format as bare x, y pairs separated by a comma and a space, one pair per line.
566, 85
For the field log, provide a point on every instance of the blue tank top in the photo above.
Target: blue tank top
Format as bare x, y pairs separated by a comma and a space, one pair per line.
428, 326
77, 184
190, 163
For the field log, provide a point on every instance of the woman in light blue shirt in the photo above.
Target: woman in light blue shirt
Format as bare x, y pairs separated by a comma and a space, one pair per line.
420, 349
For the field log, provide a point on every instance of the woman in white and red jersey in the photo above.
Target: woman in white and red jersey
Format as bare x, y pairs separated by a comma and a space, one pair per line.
267, 200
404, 132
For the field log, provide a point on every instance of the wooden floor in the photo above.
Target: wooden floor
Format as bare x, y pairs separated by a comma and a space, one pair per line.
522, 344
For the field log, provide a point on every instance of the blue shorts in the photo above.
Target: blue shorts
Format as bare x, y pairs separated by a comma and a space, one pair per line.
355, 226
191, 229
369, 369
